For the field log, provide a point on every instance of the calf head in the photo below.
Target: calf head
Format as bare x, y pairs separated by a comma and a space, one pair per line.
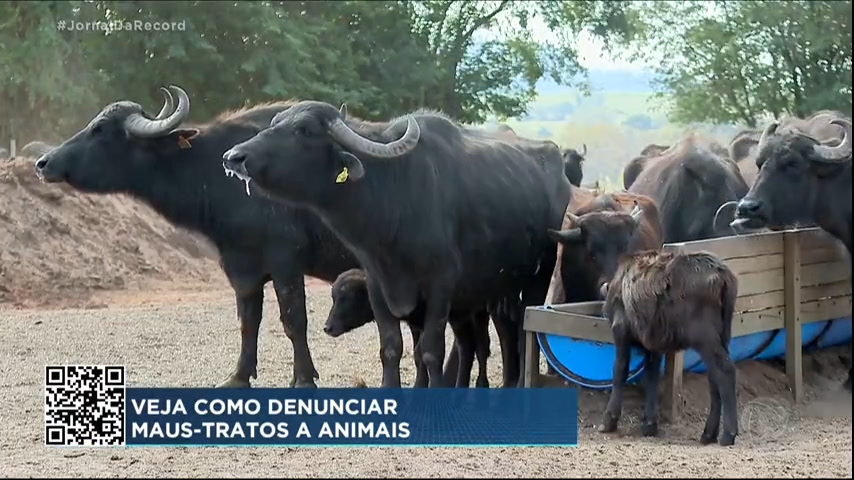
117, 146
351, 305
605, 237
795, 170
310, 149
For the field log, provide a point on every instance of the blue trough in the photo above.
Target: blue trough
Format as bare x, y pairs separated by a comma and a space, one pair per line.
590, 364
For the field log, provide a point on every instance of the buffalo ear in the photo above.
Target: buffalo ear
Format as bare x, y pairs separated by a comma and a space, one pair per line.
182, 136
353, 168
573, 235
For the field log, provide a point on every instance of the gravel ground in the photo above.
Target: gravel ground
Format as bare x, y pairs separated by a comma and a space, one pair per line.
192, 339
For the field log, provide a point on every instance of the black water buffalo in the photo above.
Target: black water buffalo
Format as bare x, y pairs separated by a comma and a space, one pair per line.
665, 302
801, 182
572, 160
433, 212
178, 171
689, 183
819, 125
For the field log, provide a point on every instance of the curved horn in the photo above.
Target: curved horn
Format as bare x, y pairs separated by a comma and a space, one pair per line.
731, 203
343, 111
572, 218
565, 236
344, 135
168, 104
769, 130
584, 148
839, 152
140, 126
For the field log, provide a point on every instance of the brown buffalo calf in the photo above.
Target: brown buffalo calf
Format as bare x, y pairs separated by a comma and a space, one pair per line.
593, 238
666, 302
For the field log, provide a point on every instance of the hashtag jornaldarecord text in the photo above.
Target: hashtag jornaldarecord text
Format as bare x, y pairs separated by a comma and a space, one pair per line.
120, 25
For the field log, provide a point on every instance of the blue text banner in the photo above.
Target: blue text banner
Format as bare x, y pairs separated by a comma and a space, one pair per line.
351, 417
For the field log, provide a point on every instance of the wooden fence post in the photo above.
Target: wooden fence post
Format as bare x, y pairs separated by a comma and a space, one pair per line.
674, 364
792, 312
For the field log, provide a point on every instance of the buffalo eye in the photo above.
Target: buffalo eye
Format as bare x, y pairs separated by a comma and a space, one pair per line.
97, 128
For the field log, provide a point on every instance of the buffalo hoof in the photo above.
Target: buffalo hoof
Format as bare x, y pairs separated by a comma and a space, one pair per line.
303, 384
708, 438
234, 382
727, 440
609, 424
649, 429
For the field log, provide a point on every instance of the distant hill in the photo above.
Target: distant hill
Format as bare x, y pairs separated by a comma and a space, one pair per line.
610, 80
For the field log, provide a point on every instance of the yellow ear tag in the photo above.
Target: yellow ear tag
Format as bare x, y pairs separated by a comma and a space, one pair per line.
342, 177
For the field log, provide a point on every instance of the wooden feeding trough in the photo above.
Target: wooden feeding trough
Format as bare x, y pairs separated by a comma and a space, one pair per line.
787, 279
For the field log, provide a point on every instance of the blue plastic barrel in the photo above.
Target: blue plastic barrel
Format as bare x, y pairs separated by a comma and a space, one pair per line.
591, 364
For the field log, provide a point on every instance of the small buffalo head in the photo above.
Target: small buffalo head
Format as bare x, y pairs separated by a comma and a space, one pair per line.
311, 148
572, 160
794, 171
605, 236
351, 305
120, 143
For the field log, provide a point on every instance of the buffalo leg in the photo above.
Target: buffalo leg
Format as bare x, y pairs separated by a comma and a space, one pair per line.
290, 292
506, 329
464, 342
481, 339
722, 372
713, 422
433, 338
649, 423
452, 366
249, 311
391, 339
621, 372
420, 371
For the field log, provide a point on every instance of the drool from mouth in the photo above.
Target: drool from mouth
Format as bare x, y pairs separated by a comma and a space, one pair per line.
241, 175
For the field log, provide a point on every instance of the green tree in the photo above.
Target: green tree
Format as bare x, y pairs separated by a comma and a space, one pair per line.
741, 61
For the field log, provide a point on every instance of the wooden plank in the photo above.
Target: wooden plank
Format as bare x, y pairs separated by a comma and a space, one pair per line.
755, 322
823, 255
823, 273
760, 282
532, 360
763, 243
569, 325
761, 263
821, 310
764, 301
585, 308
761, 301
828, 290
672, 401
792, 314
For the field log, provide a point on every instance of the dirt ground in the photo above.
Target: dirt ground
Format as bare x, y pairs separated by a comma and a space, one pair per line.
155, 338
103, 279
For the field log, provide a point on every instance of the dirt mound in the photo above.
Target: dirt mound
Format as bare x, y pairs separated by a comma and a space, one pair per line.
58, 246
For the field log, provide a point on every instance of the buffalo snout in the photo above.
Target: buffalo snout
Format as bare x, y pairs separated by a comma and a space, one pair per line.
48, 172
334, 328
749, 214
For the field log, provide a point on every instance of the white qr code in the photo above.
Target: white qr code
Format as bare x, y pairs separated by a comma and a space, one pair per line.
84, 406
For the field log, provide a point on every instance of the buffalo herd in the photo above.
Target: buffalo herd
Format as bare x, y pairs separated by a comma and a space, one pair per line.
423, 220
